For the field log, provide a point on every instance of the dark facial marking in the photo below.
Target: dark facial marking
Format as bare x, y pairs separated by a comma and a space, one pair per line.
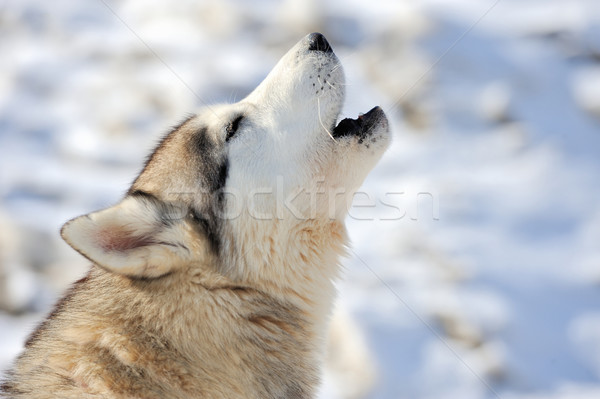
205, 159
206, 222
233, 127
213, 169
221, 177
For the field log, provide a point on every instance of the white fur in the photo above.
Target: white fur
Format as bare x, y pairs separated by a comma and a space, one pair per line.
271, 238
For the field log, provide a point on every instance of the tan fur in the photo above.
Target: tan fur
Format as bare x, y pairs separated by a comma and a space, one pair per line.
193, 333
183, 303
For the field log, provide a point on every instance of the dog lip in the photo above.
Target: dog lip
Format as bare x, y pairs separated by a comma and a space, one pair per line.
361, 126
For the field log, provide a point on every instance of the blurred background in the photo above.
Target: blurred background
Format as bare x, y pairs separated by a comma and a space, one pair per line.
477, 273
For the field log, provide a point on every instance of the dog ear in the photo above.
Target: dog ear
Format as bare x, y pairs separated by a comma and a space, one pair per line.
139, 237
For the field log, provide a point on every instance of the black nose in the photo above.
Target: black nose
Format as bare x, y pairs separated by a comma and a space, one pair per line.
317, 42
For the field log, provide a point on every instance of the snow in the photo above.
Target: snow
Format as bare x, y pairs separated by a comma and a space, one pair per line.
475, 268
586, 90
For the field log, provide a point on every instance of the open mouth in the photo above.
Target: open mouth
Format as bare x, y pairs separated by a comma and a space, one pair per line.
361, 126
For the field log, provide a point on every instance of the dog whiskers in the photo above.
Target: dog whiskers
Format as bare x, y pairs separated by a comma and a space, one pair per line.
336, 67
321, 121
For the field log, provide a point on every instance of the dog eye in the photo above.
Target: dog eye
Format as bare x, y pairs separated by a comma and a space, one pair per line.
232, 128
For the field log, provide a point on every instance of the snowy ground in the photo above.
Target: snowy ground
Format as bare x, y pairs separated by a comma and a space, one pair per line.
477, 274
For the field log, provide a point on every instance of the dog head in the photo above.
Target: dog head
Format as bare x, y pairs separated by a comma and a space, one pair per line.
277, 155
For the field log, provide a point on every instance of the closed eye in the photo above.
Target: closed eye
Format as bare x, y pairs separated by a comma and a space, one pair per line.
232, 127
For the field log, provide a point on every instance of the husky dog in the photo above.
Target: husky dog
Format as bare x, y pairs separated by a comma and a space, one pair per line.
213, 277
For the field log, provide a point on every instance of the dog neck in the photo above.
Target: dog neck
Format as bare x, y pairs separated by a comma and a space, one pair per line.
294, 260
